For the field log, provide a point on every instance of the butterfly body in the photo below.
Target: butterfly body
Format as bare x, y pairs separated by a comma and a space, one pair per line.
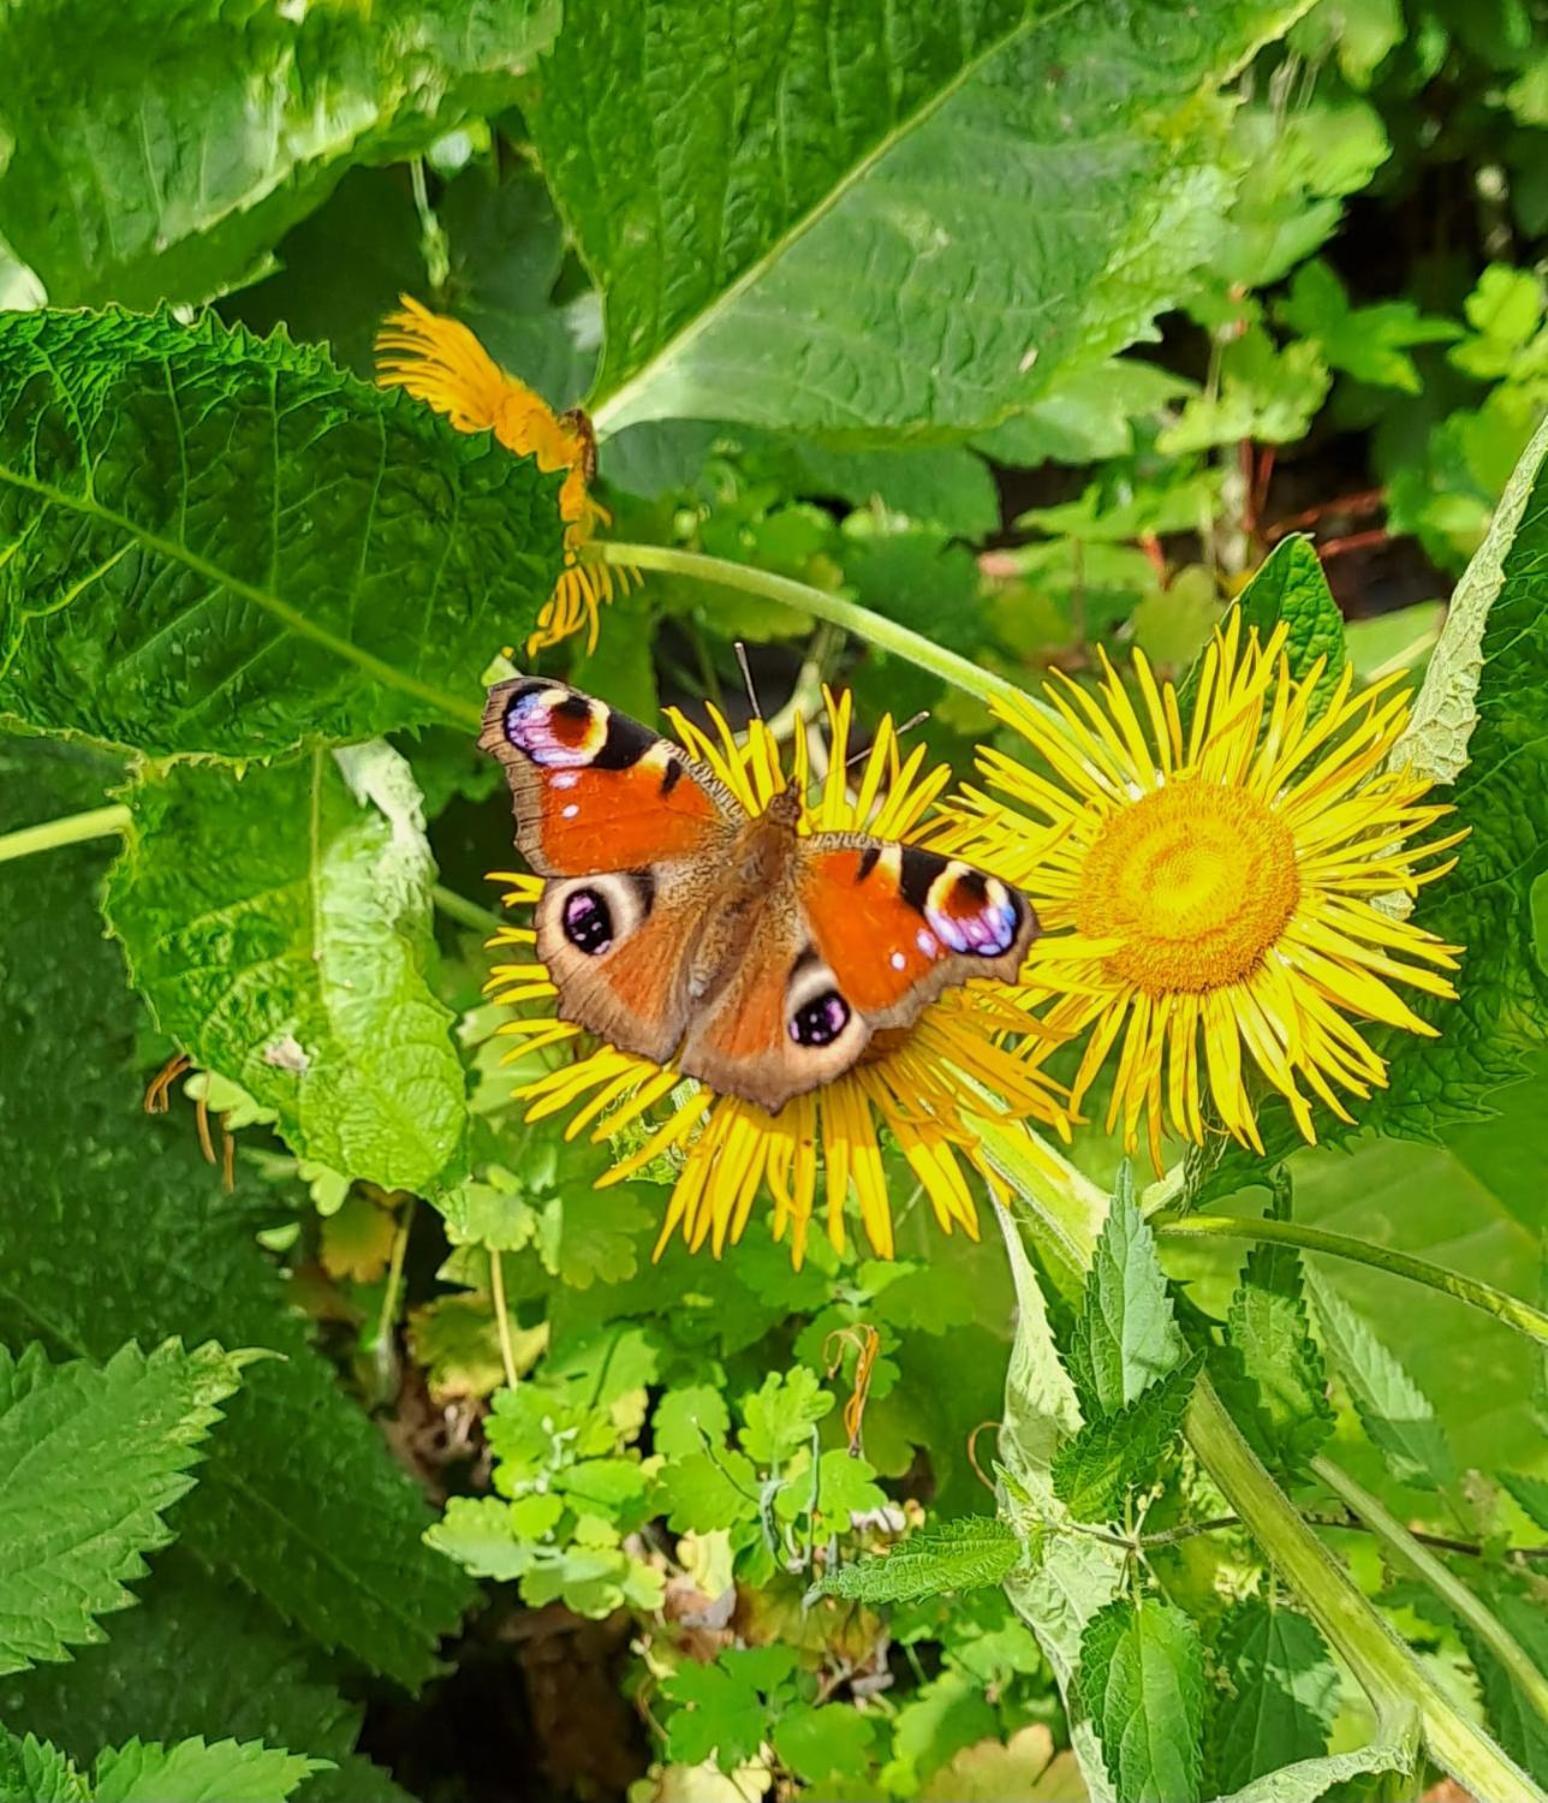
755, 956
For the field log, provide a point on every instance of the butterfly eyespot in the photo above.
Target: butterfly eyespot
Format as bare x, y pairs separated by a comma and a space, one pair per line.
820, 1021
588, 922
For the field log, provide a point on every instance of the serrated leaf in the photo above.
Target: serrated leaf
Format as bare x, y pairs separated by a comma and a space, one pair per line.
723, 1708
1271, 1333
82, 1498
1282, 1696
1531, 1492
220, 544
1116, 1453
199, 1656
1312, 1780
783, 301
195, 1771
950, 1555
1142, 1684
844, 1488
1125, 1337
279, 926
33, 1771
113, 1227
136, 178
1394, 1411
1290, 586
1514, 1716
590, 1235
780, 1416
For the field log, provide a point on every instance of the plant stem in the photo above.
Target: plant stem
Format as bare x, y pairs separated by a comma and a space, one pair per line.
1467, 1607
69, 829
390, 1295
1509, 1309
502, 1319
466, 913
886, 634
1385, 1667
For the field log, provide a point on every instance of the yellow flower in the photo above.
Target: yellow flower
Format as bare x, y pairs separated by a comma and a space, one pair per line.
921, 1086
438, 360
1221, 886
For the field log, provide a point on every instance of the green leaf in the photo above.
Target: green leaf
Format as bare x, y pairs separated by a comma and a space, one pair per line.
1369, 343
824, 230
844, 1487
1395, 1749
1531, 1493
1518, 1607
1270, 1331
1395, 1412
138, 178
960, 1554
942, 1717
709, 1490
32, 1771
1115, 1453
1283, 1693
1125, 1337
1142, 1684
90, 1460
195, 1772
685, 1419
199, 1656
724, 1708
479, 1532
279, 926
826, 1743
114, 1228
779, 1417
216, 544
1265, 392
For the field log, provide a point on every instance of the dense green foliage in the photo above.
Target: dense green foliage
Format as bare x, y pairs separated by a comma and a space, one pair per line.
354, 1446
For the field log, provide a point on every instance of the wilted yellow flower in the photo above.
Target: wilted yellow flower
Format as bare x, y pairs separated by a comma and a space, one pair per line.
439, 361
1217, 885
922, 1085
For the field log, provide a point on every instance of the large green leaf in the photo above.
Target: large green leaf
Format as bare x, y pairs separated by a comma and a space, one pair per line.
279, 926
193, 1771
198, 1656
1142, 1685
890, 217
1283, 1693
951, 1555
210, 543
1116, 1452
89, 1461
112, 1228
1125, 1338
140, 177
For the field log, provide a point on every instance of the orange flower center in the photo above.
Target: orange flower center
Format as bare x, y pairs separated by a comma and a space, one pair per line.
1196, 881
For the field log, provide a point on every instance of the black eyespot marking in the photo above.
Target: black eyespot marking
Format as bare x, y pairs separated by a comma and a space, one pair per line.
626, 743
975, 884
807, 956
588, 922
868, 862
573, 707
644, 884
671, 777
820, 1021
919, 871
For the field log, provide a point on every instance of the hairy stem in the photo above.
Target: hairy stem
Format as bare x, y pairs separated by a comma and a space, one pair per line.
1408, 1550
1509, 1309
69, 829
885, 634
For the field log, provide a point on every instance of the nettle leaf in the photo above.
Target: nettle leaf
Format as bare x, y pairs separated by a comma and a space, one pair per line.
825, 229
1396, 1749
1142, 1684
32, 1771
199, 1656
82, 1497
194, 1771
137, 179
959, 1554
1271, 1334
114, 1228
1530, 1492
1515, 1717
219, 544
1125, 1336
279, 926
1115, 1453
1283, 1693
1394, 1411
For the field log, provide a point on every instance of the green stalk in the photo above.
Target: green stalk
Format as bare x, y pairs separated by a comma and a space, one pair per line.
70, 829
873, 627
1387, 1670
466, 913
1476, 1294
1467, 1607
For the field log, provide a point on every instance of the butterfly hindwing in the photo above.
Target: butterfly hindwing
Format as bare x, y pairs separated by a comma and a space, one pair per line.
593, 790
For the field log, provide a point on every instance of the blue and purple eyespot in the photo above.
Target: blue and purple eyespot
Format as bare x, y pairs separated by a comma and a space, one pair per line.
973, 913
556, 728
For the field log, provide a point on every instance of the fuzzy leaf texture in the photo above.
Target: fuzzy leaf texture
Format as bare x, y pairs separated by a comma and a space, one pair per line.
279, 926
1125, 1337
211, 543
112, 1226
957, 1554
199, 1656
90, 1460
1271, 1335
137, 179
1142, 1684
1282, 1698
194, 1771
1114, 1453
819, 220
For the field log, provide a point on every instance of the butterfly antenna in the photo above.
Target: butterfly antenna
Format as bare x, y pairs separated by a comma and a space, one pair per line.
747, 682
908, 726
